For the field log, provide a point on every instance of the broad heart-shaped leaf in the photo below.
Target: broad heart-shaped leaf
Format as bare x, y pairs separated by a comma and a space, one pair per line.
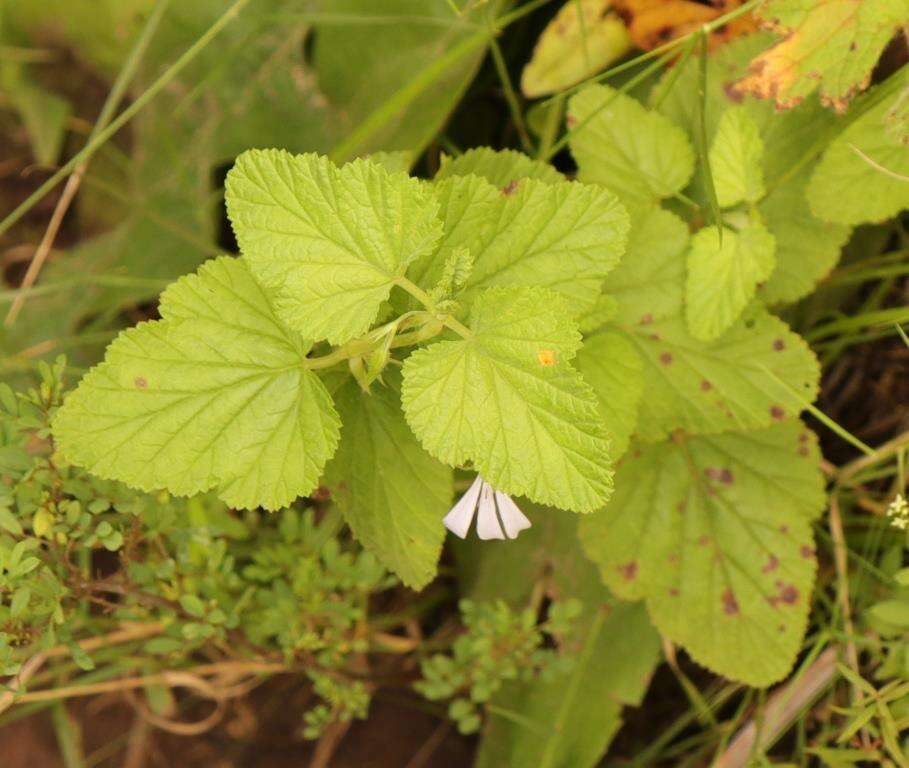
864, 174
215, 395
617, 142
737, 159
647, 284
499, 167
723, 276
715, 533
508, 400
390, 491
756, 373
612, 366
564, 236
807, 248
613, 646
829, 44
329, 242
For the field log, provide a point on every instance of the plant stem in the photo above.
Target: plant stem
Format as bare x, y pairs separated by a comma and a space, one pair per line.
427, 301
126, 115
114, 96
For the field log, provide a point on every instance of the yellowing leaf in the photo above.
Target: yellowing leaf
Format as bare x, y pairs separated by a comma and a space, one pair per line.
831, 45
654, 22
573, 48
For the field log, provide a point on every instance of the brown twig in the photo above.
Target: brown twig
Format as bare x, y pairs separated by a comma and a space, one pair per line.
114, 97
780, 710
424, 754
137, 746
32, 665
842, 579
328, 743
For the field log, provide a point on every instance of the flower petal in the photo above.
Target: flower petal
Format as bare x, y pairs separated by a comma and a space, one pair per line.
488, 526
513, 519
460, 517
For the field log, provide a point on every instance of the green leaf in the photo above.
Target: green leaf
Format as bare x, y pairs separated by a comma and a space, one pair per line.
737, 158
328, 242
647, 284
715, 534
618, 143
392, 494
831, 45
19, 602
564, 236
787, 136
499, 167
361, 68
734, 382
864, 174
612, 366
807, 248
614, 648
615, 651
508, 399
895, 612
214, 395
44, 114
9, 522
723, 274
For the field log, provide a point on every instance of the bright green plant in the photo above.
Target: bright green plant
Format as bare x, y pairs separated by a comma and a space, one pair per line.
261, 367
607, 345
499, 645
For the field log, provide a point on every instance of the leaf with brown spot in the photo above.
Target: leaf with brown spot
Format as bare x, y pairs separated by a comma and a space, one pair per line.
740, 546
654, 22
572, 48
744, 372
829, 45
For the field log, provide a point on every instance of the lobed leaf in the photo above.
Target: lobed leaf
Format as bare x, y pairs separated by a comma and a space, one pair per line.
723, 276
499, 167
863, 176
647, 284
618, 143
807, 248
563, 236
612, 366
756, 373
714, 532
328, 242
736, 159
507, 399
214, 396
392, 494
829, 45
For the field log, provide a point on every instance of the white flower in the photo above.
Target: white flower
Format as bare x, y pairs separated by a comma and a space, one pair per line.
507, 524
898, 512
